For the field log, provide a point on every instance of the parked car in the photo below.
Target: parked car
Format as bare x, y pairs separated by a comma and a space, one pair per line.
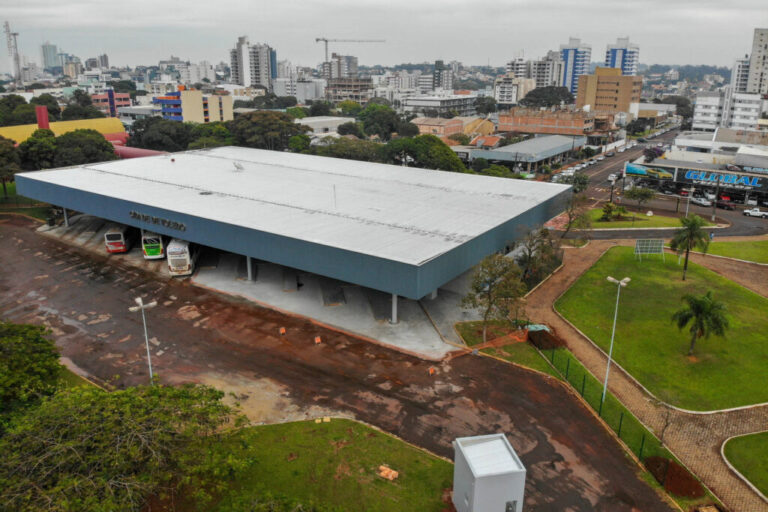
725, 197
621, 150
641, 139
725, 205
701, 201
709, 195
756, 212
600, 158
610, 153
683, 192
751, 202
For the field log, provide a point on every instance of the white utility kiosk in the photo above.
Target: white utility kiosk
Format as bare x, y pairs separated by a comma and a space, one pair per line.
488, 475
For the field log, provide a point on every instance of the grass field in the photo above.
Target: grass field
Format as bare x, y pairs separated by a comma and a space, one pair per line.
335, 464
749, 454
19, 204
756, 251
641, 221
523, 354
723, 373
71, 379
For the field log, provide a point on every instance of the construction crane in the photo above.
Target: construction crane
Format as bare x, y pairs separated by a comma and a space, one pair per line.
326, 41
13, 51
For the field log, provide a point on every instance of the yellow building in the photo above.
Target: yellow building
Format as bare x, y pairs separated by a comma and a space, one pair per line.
609, 91
190, 105
110, 127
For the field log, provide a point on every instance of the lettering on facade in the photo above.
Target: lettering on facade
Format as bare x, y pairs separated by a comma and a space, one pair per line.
151, 219
732, 180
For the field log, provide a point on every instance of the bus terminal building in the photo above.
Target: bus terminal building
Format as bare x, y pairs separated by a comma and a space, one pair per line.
399, 230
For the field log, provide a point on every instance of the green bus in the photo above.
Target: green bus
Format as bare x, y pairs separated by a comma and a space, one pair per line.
152, 245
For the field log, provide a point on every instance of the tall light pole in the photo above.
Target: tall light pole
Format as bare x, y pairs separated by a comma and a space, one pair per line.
141, 307
619, 285
688, 204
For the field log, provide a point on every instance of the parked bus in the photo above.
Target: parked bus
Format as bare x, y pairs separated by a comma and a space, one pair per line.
181, 257
117, 239
152, 245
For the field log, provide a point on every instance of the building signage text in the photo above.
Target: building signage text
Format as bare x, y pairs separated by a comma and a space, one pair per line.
171, 224
730, 180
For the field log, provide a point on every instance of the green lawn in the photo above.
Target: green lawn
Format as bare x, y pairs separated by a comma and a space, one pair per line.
749, 454
523, 354
335, 464
641, 221
756, 251
723, 373
71, 379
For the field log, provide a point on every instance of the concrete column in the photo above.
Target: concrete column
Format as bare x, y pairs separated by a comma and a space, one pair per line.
66, 218
248, 266
393, 320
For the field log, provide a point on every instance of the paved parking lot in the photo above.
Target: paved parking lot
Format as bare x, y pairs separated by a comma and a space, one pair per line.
198, 336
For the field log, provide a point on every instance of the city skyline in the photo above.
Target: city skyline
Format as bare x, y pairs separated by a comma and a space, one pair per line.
717, 34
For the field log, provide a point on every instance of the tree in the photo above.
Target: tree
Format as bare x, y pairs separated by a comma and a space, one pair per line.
462, 139
123, 86
80, 97
349, 108
24, 114
684, 107
705, 315
426, 151
74, 112
297, 112
164, 135
550, 96
51, 103
495, 287
350, 149
636, 126
577, 214
407, 129
379, 120
265, 130
690, 236
86, 449
29, 367
38, 151
299, 143
208, 135
80, 147
640, 194
485, 105
538, 256
499, 171
351, 128
479, 164
579, 181
10, 162
319, 108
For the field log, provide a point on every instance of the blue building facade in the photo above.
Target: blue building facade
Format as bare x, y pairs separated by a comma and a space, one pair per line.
576, 60
623, 55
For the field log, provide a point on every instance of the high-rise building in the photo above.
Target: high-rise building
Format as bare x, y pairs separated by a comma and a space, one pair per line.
253, 64
727, 108
191, 105
340, 66
740, 74
758, 63
548, 71
91, 63
442, 78
576, 58
609, 91
103, 61
50, 55
519, 67
508, 89
623, 55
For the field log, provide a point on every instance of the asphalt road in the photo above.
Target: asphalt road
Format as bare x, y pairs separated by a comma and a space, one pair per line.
572, 462
599, 190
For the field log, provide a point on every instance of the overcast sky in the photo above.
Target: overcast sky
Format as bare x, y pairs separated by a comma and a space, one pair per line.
473, 32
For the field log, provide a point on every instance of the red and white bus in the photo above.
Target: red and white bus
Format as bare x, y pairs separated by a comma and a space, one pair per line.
117, 240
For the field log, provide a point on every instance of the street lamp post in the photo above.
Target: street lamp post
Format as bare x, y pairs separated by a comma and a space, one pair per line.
619, 286
688, 204
141, 307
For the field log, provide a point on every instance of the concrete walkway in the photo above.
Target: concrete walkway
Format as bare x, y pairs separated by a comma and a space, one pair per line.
694, 438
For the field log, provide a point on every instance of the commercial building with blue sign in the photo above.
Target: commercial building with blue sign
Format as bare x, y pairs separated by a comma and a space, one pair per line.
400, 230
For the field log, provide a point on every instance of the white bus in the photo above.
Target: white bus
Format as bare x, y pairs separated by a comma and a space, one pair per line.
181, 257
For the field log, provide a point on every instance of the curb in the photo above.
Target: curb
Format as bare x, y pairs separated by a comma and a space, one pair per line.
736, 471
724, 257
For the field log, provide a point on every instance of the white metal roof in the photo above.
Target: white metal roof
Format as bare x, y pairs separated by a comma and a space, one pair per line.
398, 213
489, 455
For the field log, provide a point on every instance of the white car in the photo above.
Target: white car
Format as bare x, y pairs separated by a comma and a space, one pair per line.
600, 158
621, 150
701, 201
756, 212
710, 196
612, 177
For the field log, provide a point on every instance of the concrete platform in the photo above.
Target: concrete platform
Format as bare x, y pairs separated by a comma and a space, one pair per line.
423, 327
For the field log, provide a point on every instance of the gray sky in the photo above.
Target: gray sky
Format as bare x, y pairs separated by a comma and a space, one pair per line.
142, 31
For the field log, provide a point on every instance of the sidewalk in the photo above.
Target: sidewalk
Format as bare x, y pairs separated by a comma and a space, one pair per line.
694, 438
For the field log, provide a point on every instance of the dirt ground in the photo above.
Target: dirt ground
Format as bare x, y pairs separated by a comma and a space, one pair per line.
198, 336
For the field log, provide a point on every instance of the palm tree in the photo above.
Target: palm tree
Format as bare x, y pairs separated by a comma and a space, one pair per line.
705, 314
690, 236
